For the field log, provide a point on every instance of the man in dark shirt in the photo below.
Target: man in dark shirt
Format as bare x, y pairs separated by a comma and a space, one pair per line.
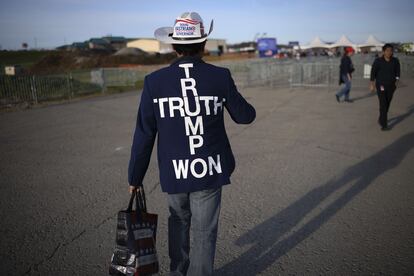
385, 74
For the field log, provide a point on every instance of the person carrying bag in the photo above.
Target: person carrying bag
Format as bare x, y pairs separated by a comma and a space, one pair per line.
183, 107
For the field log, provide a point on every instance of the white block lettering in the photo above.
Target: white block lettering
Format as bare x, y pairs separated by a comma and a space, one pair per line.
193, 144
178, 107
186, 67
215, 164
193, 171
181, 168
195, 128
211, 166
191, 87
217, 104
207, 100
187, 107
161, 102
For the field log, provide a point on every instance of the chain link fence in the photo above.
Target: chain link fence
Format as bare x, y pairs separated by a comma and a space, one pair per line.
308, 72
38, 88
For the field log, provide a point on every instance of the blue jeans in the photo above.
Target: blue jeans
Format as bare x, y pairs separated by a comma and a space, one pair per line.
200, 210
346, 89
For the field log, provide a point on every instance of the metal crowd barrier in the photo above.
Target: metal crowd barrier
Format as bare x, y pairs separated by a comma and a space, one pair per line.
307, 72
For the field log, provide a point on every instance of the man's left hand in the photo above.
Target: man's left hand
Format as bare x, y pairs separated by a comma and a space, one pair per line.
134, 188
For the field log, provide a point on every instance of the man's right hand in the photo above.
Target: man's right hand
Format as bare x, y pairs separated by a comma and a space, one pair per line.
372, 87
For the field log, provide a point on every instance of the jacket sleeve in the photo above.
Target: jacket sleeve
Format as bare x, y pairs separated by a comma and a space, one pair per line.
144, 137
374, 70
397, 69
351, 66
239, 109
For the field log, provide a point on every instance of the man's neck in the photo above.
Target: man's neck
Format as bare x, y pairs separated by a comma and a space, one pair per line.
387, 58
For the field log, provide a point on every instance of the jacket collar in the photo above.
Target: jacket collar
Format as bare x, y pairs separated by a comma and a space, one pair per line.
187, 59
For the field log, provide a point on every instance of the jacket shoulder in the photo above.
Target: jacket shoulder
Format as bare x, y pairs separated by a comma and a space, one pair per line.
158, 73
221, 71
377, 60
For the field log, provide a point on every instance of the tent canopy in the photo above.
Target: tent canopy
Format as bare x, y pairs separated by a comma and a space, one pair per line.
315, 43
372, 41
344, 41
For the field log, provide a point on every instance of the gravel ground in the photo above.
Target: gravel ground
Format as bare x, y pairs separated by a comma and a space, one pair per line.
318, 189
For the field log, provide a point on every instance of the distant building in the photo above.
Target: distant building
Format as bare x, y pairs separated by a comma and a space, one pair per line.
116, 42
99, 43
216, 46
407, 48
63, 47
243, 47
79, 46
151, 45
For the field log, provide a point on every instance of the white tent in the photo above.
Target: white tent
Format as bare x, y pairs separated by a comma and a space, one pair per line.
315, 43
343, 41
372, 41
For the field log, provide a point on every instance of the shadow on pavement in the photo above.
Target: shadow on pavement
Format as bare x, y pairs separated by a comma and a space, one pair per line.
265, 241
369, 95
398, 119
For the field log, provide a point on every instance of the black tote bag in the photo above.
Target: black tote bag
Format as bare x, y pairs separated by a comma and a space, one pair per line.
135, 251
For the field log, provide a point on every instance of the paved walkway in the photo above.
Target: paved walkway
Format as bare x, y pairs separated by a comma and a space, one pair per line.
318, 189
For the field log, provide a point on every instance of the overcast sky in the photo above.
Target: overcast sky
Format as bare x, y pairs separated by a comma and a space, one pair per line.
51, 23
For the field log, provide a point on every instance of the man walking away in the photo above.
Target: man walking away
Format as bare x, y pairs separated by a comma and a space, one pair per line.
385, 74
345, 75
183, 104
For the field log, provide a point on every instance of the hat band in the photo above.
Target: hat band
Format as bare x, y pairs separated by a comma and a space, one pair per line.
187, 38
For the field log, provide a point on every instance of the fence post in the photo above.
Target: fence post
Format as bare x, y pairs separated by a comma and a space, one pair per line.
72, 92
301, 75
329, 75
68, 79
33, 88
103, 80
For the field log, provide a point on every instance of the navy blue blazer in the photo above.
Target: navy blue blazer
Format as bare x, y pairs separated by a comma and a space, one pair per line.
184, 104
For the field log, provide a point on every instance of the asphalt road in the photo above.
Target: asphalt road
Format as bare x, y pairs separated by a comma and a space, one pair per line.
318, 188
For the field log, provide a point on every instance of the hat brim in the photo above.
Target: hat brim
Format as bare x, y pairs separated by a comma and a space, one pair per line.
164, 34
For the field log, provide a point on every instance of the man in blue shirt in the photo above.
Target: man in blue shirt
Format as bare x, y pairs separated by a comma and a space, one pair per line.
184, 105
345, 75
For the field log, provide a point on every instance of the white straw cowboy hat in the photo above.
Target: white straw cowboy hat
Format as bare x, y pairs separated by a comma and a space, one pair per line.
188, 29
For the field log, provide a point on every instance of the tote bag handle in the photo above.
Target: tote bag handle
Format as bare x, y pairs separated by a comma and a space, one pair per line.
140, 201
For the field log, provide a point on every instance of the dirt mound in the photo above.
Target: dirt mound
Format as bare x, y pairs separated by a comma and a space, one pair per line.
130, 52
66, 61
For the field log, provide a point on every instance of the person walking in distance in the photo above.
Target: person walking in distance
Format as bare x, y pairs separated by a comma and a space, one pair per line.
385, 74
184, 105
345, 75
